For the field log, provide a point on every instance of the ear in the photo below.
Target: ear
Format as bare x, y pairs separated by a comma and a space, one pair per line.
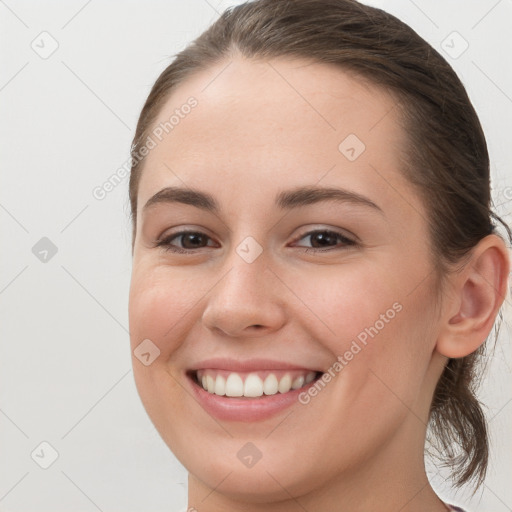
478, 292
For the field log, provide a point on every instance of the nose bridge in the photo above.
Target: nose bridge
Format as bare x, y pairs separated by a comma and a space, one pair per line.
246, 292
246, 263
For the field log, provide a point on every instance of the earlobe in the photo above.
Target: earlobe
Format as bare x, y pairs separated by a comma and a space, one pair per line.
479, 292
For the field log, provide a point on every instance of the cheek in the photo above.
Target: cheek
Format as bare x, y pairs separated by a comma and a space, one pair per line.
393, 350
381, 332
159, 311
352, 305
160, 308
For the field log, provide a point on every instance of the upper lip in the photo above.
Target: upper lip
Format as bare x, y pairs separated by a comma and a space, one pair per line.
237, 365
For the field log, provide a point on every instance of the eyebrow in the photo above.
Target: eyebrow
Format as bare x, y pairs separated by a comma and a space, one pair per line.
288, 199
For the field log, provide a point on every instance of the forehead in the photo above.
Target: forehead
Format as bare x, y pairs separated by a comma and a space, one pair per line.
260, 126
256, 100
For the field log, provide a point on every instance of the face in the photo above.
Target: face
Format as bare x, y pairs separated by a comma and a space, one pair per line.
281, 283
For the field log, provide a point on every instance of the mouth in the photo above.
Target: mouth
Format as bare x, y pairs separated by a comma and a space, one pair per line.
254, 384
249, 396
251, 390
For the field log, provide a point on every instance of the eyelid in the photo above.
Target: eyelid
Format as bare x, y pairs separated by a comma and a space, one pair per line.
192, 229
338, 231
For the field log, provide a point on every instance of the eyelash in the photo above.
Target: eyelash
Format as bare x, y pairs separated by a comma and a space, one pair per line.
166, 245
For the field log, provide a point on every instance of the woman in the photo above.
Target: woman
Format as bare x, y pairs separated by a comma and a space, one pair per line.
315, 263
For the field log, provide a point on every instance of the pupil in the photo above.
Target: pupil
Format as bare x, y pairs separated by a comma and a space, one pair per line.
192, 236
324, 238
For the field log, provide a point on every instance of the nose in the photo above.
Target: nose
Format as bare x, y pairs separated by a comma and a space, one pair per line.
247, 301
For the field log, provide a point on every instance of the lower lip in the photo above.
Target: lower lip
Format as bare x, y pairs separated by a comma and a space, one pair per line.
245, 409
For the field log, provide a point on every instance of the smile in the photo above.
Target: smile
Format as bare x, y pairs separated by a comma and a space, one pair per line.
249, 391
253, 384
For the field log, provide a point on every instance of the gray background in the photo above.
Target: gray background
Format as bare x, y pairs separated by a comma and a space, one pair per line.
67, 120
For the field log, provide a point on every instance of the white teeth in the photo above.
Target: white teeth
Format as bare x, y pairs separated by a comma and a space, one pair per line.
298, 382
285, 384
234, 385
253, 386
270, 385
220, 385
210, 384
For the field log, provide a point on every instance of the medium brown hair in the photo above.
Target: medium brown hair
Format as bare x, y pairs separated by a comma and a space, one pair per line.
447, 158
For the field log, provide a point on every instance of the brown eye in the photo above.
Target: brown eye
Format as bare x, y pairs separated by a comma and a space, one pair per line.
324, 240
190, 240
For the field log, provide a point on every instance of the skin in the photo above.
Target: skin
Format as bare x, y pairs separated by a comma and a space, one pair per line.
261, 127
